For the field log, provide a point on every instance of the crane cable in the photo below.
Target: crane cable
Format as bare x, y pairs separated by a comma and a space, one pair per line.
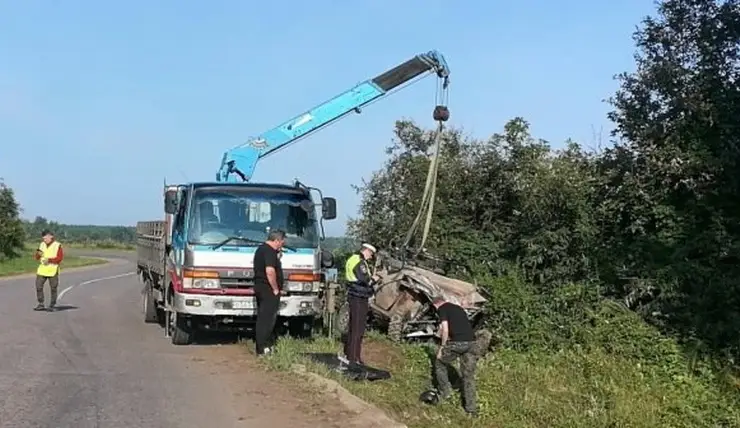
441, 115
427, 199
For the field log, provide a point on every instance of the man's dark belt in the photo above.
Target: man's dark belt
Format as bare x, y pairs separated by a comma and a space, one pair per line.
357, 289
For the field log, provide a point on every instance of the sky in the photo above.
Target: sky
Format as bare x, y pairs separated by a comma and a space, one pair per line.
102, 102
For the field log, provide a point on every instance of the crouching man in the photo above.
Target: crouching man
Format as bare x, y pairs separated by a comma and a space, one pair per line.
458, 342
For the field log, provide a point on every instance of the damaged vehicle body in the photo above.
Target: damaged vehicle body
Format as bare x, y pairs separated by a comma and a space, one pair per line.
402, 304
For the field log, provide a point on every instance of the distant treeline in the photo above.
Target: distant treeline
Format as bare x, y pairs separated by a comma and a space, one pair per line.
116, 236
92, 235
340, 244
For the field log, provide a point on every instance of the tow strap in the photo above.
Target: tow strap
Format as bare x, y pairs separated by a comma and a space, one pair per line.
426, 208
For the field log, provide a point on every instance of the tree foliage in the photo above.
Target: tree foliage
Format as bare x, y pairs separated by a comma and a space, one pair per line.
658, 212
677, 117
11, 227
508, 199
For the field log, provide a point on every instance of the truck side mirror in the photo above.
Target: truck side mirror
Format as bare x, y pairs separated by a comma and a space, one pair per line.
170, 202
329, 208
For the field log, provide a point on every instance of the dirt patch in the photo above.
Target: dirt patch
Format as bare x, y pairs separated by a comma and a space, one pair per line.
366, 415
378, 354
271, 398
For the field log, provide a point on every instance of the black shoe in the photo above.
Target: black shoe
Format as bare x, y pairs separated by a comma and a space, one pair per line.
39, 307
52, 306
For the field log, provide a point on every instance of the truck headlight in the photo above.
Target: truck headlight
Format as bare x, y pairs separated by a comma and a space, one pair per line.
200, 279
293, 286
203, 283
207, 283
298, 287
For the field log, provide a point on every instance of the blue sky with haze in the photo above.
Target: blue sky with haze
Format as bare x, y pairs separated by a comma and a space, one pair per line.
101, 101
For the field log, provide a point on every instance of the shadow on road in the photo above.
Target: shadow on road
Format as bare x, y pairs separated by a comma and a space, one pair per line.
62, 308
217, 338
210, 338
351, 371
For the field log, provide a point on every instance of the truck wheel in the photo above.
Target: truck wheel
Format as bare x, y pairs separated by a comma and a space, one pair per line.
395, 328
483, 342
341, 321
150, 306
181, 333
300, 327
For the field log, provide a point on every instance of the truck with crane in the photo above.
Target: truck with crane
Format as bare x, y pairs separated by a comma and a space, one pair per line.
196, 263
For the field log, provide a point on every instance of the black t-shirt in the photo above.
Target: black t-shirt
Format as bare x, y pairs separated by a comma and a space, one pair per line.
457, 321
266, 256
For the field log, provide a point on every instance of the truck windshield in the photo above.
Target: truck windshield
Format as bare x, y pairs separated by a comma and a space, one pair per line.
218, 214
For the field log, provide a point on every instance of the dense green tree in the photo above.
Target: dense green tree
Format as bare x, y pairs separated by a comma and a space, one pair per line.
11, 226
673, 177
510, 199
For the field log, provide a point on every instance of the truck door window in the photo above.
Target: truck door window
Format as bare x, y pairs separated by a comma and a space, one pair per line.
180, 215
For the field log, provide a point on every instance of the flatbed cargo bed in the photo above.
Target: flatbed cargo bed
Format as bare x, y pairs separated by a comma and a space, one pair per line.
150, 243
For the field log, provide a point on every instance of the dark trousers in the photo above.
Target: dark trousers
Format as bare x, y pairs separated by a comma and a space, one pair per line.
464, 351
358, 308
268, 305
53, 284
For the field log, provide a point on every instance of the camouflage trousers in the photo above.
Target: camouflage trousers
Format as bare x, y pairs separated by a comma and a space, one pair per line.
465, 352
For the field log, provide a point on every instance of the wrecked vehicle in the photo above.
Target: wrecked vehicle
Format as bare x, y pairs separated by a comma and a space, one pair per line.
402, 304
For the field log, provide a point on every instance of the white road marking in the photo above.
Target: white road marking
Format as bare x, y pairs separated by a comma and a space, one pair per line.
91, 281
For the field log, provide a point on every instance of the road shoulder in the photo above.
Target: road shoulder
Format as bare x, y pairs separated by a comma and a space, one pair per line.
307, 399
104, 263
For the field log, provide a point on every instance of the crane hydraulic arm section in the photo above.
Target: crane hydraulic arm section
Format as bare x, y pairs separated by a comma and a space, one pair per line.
240, 161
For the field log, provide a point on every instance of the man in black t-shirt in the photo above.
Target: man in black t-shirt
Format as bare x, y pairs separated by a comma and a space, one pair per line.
458, 341
268, 281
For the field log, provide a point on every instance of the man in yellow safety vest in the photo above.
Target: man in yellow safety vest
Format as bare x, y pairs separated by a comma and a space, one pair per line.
50, 255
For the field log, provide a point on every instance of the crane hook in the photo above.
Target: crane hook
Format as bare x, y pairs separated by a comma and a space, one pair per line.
441, 113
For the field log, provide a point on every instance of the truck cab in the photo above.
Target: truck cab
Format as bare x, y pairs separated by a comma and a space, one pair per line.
211, 233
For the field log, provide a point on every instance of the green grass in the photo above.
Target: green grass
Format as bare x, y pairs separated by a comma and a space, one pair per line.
576, 388
93, 245
101, 245
27, 264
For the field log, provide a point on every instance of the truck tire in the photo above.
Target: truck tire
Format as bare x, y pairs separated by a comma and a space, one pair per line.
181, 333
395, 328
151, 315
341, 322
300, 327
483, 342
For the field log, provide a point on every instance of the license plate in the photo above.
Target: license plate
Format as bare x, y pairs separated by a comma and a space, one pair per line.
243, 304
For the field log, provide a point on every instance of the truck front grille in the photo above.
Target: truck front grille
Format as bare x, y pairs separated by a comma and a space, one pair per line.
237, 283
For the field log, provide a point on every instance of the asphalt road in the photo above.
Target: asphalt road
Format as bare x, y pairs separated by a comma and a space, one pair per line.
96, 364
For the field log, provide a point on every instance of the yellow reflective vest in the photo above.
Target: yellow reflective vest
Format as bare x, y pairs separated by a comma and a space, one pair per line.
361, 286
351, 265
48, 252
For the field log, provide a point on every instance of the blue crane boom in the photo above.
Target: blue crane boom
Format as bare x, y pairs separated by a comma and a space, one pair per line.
241, 160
